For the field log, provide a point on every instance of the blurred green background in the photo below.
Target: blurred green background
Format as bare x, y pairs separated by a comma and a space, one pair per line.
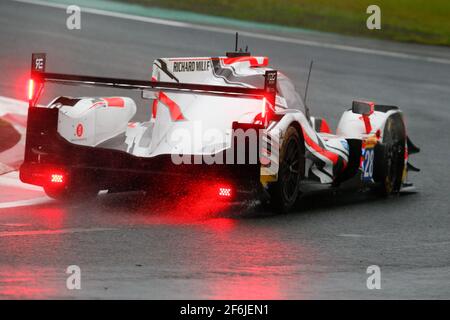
419, 21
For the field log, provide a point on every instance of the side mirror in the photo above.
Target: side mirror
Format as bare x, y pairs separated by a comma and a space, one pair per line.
363, 107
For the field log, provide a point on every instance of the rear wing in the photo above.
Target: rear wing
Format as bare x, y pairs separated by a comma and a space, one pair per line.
39, 77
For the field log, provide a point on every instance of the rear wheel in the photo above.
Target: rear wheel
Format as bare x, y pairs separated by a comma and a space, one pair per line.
284, 192
391, 159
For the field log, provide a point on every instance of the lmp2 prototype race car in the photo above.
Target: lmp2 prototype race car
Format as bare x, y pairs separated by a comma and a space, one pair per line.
228, 127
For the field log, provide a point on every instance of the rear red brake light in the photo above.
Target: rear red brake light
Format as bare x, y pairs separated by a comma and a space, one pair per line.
263, 108
57, 178
30, 89
225, 192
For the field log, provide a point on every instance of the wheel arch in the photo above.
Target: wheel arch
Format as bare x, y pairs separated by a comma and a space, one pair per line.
297, 120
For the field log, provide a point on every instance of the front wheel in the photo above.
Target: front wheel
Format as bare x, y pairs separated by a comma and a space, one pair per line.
284, 192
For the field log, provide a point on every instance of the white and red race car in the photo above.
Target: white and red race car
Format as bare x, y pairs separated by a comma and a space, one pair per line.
230, 126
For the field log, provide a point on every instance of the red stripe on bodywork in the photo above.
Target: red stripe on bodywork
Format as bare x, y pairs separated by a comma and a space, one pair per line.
366, 119
324, 128
367, 123
328, 154
155, 102
115, 102
174, 108
154, 108
252, 60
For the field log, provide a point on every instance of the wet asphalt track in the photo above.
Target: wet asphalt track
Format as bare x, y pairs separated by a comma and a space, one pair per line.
128, 248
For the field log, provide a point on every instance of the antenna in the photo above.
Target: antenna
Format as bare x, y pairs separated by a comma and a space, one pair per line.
307, 82
238, 51
308, 116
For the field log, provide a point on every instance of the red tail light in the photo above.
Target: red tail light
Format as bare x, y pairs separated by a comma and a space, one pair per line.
57, 178
263, 108
30, 89
225, 192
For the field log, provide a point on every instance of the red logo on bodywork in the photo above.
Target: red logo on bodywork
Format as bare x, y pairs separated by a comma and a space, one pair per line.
79, 130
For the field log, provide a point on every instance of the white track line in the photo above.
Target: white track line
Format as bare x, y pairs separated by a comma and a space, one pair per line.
24, 203
50, 232
10, 157
11, 179
353, 235
9, 105
245, 33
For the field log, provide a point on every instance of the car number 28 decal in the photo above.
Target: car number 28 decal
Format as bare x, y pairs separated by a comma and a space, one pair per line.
367, 164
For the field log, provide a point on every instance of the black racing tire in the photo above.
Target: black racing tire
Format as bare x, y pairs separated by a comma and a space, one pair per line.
284, 192
390, 157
